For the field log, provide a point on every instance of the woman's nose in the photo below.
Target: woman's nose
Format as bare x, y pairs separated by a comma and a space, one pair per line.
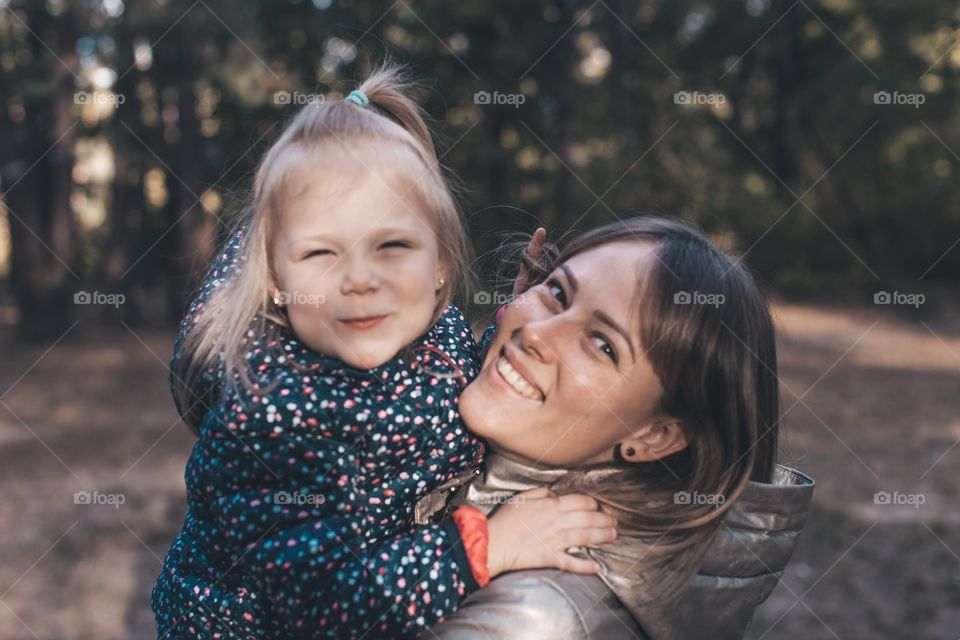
539, 338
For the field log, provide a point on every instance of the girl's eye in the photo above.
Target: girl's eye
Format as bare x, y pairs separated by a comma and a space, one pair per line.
558, 293
605, 346
318, 252
401, 244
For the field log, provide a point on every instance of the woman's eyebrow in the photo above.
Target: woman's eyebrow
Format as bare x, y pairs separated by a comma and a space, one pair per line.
600, 315
573, 281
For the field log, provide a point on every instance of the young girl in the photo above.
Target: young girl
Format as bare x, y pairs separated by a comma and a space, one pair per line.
320, 366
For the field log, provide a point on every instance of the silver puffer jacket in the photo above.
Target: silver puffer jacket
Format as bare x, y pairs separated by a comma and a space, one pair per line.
741, 568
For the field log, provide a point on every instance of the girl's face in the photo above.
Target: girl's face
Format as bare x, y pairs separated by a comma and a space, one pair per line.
585, 383
358, 274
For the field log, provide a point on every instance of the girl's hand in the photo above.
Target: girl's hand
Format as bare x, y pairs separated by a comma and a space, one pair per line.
534, 249
536, 527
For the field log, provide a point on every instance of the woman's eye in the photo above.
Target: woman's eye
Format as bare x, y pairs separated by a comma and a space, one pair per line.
605, 346
318, 252
557, 292
402, 244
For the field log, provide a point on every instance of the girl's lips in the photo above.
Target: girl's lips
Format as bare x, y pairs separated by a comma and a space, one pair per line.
363, 324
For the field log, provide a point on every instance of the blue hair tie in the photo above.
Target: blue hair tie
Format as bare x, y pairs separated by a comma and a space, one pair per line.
358, 97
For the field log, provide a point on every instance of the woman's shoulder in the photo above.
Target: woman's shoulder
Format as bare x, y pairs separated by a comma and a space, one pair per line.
541, 603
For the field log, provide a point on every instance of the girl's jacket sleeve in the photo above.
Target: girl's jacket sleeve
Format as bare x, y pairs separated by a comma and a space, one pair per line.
307, 486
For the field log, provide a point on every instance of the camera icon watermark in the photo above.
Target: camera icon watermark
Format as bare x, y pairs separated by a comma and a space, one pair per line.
896, 498
99, 98
890, 98
898, 297
298, 98
497, 98
697, 297
96, 497
698, 98
298, 499
495, 298
696, 497
100, 298
301, 298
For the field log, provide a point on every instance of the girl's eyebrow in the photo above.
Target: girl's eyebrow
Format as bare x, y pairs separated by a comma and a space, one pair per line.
370, 233
386, 231
600, 315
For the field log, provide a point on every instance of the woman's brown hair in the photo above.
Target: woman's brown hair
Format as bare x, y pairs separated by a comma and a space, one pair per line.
709, 336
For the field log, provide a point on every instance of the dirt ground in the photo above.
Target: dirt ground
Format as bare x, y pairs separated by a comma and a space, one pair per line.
872, 400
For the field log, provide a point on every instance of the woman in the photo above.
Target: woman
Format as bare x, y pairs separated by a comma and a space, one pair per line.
640, 369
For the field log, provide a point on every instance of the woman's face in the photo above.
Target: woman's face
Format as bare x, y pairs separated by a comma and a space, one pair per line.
566, 377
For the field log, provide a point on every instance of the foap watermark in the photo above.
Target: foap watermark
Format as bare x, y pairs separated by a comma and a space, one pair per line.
495, 297
698, 297
898, 499
696, 497
99, 297
887, 97
493, 499
97, 497
299, 298
898, 297
297, 498
99, 97
512, 99
298, 98
699, 98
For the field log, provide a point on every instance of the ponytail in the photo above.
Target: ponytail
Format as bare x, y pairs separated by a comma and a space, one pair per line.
391, 93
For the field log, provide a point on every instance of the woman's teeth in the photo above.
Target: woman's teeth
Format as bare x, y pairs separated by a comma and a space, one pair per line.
515, 380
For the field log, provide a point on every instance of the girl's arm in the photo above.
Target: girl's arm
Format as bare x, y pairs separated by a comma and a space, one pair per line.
310, 556
323, 579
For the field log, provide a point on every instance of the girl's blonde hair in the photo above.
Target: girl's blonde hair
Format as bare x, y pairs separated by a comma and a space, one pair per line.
334, 143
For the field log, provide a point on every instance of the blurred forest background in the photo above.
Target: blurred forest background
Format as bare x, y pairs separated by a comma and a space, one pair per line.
819, 138
130, 128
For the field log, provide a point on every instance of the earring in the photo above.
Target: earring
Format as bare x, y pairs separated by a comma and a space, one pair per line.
618, 453
276, 298
440, 284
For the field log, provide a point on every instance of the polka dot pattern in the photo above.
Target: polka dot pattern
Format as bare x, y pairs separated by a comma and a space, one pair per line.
301, 492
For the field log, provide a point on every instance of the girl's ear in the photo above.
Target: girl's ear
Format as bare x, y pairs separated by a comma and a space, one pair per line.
654, 442
273, 286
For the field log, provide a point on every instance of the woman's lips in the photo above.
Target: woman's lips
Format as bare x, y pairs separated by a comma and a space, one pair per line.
363, 324
516, 385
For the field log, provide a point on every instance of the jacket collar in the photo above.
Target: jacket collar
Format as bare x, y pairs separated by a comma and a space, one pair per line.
742, 566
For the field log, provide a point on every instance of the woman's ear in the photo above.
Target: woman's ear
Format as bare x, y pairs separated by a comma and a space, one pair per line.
654, 442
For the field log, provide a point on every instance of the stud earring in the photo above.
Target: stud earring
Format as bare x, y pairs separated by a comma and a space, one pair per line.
622, 455
440, 284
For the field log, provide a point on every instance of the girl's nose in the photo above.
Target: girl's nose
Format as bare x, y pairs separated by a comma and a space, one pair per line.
359, 281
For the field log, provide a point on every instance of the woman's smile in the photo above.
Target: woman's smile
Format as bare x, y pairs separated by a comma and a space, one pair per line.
510, 377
